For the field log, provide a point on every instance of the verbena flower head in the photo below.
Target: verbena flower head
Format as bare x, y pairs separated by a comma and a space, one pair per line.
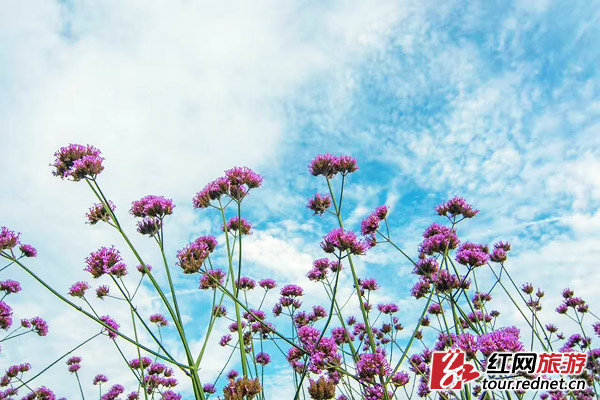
263, 358
76, 162
8, 238
245, 283
9, 286
98, 213
343, 241
209, 388
473, 255
426, 267
242, 388
192, 256
372, 364
103, 261
142, 270
41, 393
328, 165
28, 250
400, 379
114, 392
100, 379
502, 340
152, 206
140, 363
39, 326
209, 241
111, 324
102, 291
211, 279
390, 308
78, 289
159, 320
267, 284
321, 389
236, 225
455, 207
225, 339
6, 313
438, 239
500, 252
371, 224
241, 180
319, 203
149, 226
291, 291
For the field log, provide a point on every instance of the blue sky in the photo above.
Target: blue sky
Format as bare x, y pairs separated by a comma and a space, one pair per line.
494, 101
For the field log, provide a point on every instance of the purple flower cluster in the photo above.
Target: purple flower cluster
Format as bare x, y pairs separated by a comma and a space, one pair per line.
329, 165
455, 207
321, 268
438, 239
341, 240
78, 289
473, 255
370, 225
159, 319
371, 365
499, 254
238, 225
113, 393
211, 279
10, 239
319, 203
112, 324
77, 162
10, 287
152, 206
99, 213
106, 260
192, 257
74, 364
100, 379
500, 340
236, 184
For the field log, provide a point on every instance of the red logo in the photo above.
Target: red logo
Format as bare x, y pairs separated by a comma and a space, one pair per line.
449, 370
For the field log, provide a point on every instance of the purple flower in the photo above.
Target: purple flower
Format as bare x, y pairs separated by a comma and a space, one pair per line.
319, 270
142, 270
39, 326
232, 374
77, 162
263, 358
371, 364
149, 226
501, 340
341, 336
100, 379
192, 256
152, 206
267, 284
159, 320
291, 291
343, 241
28, 250
369, 284
400, 378
112, 324
8, 238
41, 393
438, 239
500, 252
212, 191
102, 291
74, 367
371, 224
5, 316
319, 203
245, 283
211, 279
9, 286
209, 241
473, 255
219, 311
103, 261
239, 176
426, 267
225, 339
113, 393
78, 289
328, 165
596, 328
388, 308
235, 225
98, 213
140, 363
74, 360
455, 207
209, 388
